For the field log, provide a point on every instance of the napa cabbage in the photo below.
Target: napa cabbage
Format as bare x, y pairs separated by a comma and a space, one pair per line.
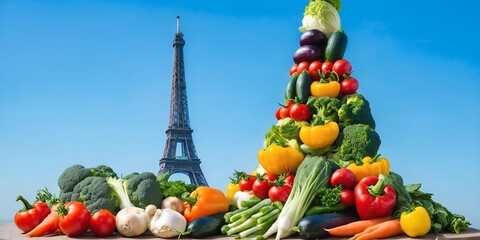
321, 15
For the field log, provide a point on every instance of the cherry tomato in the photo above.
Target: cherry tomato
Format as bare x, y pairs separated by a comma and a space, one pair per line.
293, 69
302, 66
277, 114
246, 183
313, 70
300, 112
342, 68
289, 179
347, 197
326, 69
349, 86
279, 193
74, 219
102, 223
260, 188
344, 177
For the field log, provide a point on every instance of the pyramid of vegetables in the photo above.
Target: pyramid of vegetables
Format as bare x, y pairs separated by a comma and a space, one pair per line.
320, 167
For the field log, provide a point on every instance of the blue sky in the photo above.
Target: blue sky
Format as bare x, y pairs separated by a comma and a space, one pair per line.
89, 82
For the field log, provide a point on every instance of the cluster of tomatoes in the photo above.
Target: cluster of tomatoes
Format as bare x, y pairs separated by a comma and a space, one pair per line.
339, 70
344, 177
71, 218
268, 185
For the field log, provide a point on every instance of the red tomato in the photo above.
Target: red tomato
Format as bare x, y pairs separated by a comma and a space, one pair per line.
344, 177
289, 179
347, 197
289, 103
342, 68
326, 69
75, 220
260, 187
279, 193
293, 69
284, 112
102, 223
349, 86
277, 114
302, 66
270, 177
246, 183
300, 112
313, 70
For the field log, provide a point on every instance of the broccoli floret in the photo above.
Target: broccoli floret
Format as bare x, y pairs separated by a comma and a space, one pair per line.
119, 192
71, 177
355, 109
356, 142
143, 190
130, 175
95, 193
323, 109
103, 171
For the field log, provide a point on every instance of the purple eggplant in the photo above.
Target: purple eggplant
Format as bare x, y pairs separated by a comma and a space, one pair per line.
313, 37
308, 53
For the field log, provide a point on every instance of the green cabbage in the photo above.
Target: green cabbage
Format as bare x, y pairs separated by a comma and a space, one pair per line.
321, 15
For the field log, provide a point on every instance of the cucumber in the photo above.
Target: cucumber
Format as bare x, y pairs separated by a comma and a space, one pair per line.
303, 86
336, 46
313, 226
205, 226
290, 92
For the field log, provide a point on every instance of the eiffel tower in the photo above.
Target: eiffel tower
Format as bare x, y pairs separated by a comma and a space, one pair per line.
179, 155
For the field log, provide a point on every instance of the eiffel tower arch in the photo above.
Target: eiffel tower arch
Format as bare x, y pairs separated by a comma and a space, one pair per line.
180, 155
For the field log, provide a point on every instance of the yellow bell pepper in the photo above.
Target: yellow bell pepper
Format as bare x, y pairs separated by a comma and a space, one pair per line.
277, 159
231, 189
329, 89
319, 136
415, 223
370, 167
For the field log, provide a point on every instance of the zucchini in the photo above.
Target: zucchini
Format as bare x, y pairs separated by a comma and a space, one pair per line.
336, 46
313, 226
205, 226
290, 92
303, 86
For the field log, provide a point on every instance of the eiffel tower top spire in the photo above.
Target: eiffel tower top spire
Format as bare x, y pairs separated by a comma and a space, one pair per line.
179, 118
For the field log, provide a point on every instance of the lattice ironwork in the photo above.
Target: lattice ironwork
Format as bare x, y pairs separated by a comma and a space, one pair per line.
180, 155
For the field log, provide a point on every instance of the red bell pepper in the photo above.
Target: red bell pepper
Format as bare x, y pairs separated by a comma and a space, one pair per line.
373, 198
30, 216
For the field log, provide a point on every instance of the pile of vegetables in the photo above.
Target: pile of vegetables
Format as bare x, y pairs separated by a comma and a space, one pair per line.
319, 175
325, 143
97, 201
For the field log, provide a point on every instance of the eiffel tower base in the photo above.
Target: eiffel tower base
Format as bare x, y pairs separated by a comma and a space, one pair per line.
190, 168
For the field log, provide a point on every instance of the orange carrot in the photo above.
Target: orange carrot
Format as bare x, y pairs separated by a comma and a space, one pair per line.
353, 228
49, 225
384, 230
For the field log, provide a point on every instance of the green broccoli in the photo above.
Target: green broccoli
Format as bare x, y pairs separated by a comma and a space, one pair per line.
130, 175
119, 191
95, 193
356, 142
103, 171
143, 190
71, 177
355, 109
139, 190
323, 109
